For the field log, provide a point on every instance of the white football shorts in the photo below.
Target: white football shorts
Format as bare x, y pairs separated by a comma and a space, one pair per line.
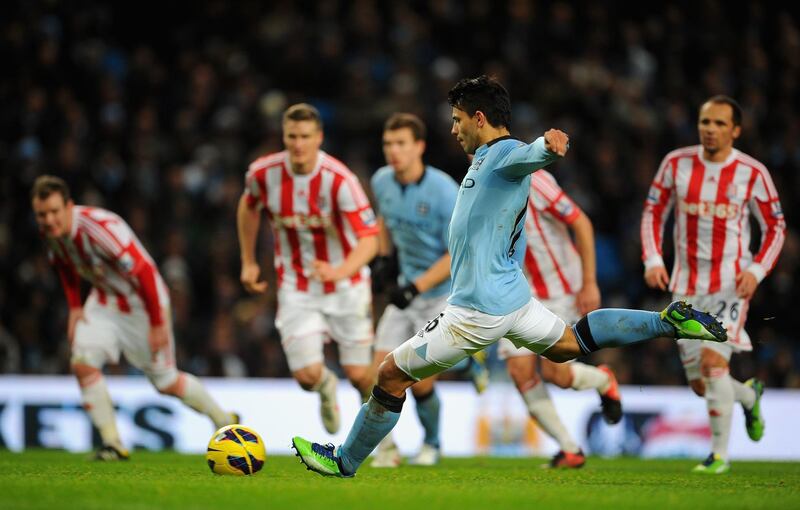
307, 321
563, 306
731, 310
396, 325
459, 332
107, 332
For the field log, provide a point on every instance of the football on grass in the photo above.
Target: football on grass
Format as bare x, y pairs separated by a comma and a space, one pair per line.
236, 450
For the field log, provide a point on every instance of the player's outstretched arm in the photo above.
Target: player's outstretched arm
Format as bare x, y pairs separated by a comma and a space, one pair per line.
526, 159
248, 220
556, 141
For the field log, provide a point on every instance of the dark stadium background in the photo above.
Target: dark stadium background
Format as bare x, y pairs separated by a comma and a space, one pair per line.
154, 110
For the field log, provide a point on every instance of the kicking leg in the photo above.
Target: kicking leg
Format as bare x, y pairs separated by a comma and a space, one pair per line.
616, 327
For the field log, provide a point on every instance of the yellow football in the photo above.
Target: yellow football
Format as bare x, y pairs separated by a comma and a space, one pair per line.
236, 450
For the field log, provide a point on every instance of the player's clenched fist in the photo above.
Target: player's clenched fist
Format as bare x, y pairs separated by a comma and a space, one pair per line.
324, 272
657, 278
249, 278
556, 141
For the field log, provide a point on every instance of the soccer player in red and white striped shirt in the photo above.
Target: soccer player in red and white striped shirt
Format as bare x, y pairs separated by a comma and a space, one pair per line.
563, 278
325, 233
714, 188
126, 311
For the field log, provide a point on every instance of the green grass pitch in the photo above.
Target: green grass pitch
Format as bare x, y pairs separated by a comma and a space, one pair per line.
59, 480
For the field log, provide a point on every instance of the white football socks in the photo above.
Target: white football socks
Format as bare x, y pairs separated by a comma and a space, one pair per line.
197, 397
97, 402
541, 408
586, 377
744, 394
324, 380
719, 400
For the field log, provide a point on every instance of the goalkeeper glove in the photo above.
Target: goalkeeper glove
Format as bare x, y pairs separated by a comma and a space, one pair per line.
401, 297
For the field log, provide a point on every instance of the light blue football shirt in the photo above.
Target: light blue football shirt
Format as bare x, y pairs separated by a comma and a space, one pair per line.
417, 216
487, 240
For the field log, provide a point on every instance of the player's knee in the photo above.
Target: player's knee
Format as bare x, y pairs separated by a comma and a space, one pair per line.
565, 349
522, 371
388, 372
309, 377
172, 384
713, 369
559, 374
86, 374
698, 387
357, 375
558, 355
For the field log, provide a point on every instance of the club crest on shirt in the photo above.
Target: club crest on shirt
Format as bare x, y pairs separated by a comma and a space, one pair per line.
367, 216
476, 164
423, 208
734, 191
564, 207
654, 195
777, 211
126, 262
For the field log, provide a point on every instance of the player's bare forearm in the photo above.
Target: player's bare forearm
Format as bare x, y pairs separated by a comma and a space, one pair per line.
364, 251
75, 315
384, 240
148, 291
588, 297
247, 222
436, 274
584, 243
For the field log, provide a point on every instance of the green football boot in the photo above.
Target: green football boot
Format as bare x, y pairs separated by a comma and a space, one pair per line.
752, 417
694, 324
713, 465
319, 458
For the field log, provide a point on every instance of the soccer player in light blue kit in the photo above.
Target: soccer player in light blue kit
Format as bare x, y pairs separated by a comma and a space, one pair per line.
415, 202
490, 297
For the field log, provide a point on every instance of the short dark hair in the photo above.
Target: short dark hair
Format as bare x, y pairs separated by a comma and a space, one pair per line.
723, 99
406, 120
46, 185
303, 111
483, 93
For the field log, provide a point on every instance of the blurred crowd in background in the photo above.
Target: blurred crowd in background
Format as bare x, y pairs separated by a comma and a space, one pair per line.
154, 111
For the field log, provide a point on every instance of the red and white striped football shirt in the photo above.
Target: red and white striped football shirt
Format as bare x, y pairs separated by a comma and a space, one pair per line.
713, 202
551, 259
320, 215
103, 249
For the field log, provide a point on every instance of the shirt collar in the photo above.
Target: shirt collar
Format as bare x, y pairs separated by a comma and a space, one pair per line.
485, 147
